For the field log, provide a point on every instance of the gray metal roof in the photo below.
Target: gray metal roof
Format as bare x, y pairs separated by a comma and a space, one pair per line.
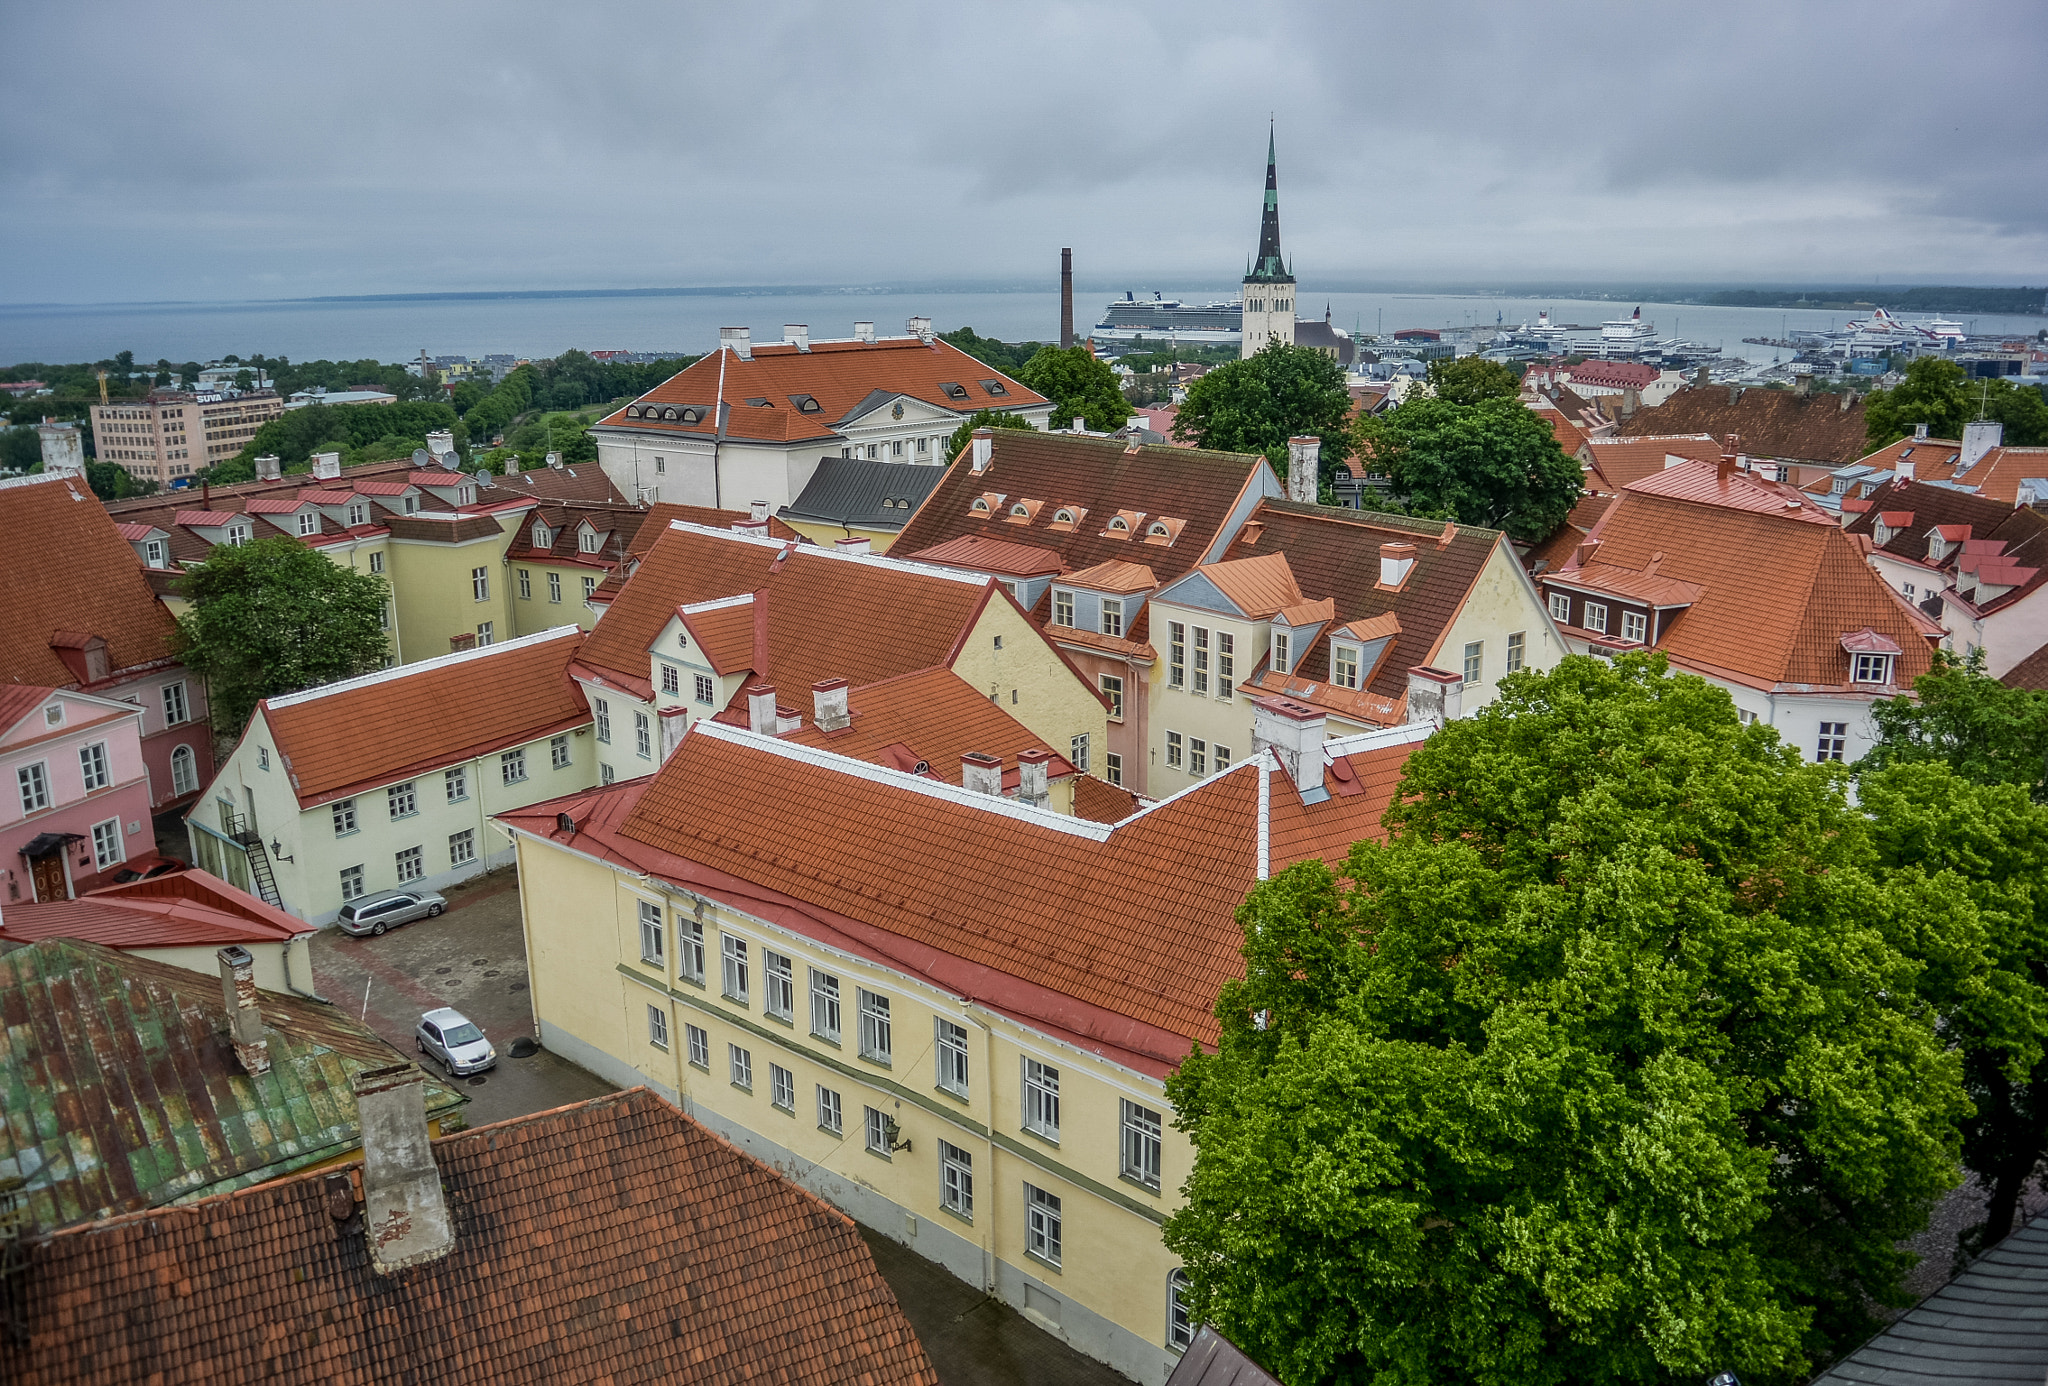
872, 495
1213, 1360
1989, 1324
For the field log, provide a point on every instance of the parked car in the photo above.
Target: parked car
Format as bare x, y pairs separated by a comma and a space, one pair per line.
456, 1040
373, 914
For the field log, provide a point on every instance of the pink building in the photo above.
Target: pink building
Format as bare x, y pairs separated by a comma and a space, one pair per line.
76, 804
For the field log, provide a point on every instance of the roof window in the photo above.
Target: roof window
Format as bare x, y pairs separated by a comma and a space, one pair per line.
995, 387
1118, 522
542, 537
805, 404
758, 402
980, 505
690, 416
954, 389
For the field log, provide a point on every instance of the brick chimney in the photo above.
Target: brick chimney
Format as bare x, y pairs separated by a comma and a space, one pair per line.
738, 340
326, 466
983, 445
1033, 785
981, 773
269, 468
405, 1214
1293, 732
828, 705
1434, 695
761, 708
1304, 468
1396, 561
245, 1015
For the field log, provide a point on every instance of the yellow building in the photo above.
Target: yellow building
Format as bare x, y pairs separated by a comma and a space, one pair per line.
948, 1012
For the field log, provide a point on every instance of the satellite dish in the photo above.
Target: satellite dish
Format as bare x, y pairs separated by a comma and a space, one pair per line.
451, 461
421, 457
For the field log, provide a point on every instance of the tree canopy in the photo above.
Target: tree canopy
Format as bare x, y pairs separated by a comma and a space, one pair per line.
297, 434
1007, 357
983, 418
273, 617
1963, 718
1079, 386
1491, 463
1615, 1063
1470, 379
1258, 403
1938, 393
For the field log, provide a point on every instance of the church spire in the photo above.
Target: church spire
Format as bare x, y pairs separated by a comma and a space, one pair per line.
1270, 268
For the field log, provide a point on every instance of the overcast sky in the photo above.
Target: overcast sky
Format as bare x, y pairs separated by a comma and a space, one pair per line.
176, 151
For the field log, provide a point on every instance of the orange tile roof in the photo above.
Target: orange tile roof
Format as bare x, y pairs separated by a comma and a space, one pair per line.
1705, 484
1619, 461
1564, 541
930, 716
2001, 472
70, 570
660, 515
1113, 576
385, 727
1569, 436
1648, 588
724, 631
1933, 459
978, 553
2020, 534
840, 377
1099, 801
612, 1240
1260, 585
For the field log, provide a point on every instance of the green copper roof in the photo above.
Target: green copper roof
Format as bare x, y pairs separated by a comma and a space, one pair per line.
1268, 268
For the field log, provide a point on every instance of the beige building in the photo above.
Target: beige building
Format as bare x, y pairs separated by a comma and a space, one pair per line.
174, 434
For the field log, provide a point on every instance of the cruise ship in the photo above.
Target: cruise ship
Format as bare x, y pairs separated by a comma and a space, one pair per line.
1214, 323
1629, 336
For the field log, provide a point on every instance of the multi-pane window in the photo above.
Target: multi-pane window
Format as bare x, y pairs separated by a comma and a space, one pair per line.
1634, 626
1141, 1144
952, 1056
1873, 668
1176, 654
1042, 1224
828, 1111
1180, 1324
700, 1046
344, 813
555, 588
106, 843
175, 708
671, 680
480, 583
558, 752
1561, 607
782, 1087
525, 584
1173, 750
742, 1064
352, 883
604, 773
1344, 666
309, 522
1226, 664
92, 764
1517, 644
1594, 617
1062, 608
1280, 661
1042, 1099
733, 951
1475, 661
601, 714
462, 847
1112, 616
512, 766
690, 948
1198, 756
1113, 767
643, 738
184, 771
657, 1027
412, 864
876, 1042
877, 1127
262, 757
376, 559
651, 950
1201, 634
1834, 736
1078, 753
589, 587
956, 1180
456, 782
1113, 689
705, 690
778, 985
402, 800
824, 1005
1220, 755
34, 783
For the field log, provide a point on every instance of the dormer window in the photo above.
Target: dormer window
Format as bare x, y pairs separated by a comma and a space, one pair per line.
155, 554
588, 541
1021, 510
994, 387
412, 505
309, 522
1117, 522
953, 389
1881, 533
980, 505
238, 535
1937, 547
465, 495
358, 514
1062, 608
1344, 665
1281, 663
1112, 616
1872, 668
1841, 485
1155, 530
1063, 516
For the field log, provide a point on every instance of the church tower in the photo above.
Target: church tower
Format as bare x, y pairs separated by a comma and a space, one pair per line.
1268, 286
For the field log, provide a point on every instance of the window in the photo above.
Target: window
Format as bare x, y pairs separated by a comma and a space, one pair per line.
1475, 661
400, 801
734, 953
1041, 1099
1113, 768
1595, 617
876, 1042
778, 983
462, 847
1344, 666
1141, 1144
690, 948
34, 782
952, 1052
877, 1124
999, 639
1180, 1324
1635, 626
588, 541
480, 583
309, 522
525, 584
705, 690
824, 1005
412, 864
344, 811
1280, 664
1833, 737
1745, 717
352, 883
376, 562
484, 633
1561, 607
1079, 753
651, 950
238, 535
555, 588
106, 843
657, 1027
360, 515
1062, 608
1201, 659
1198, 756
1173, 750
671, 680
601, 712
1516, 644
53, 715
782, 1087
956, 1180
558, 752
604, 773
700, 1047
1220, 756
262, 759
1042, 1224
1176, 654
512, 766
1226, 664
1112, 616
1907, 590
589, 587
154, 554
92, 764
1113, 689
828, 1111
456, 783
643, 737
742, 1064
175, 708
184, 771
1873, 668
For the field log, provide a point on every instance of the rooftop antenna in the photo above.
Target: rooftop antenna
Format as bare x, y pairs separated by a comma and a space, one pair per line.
717, 427
1983, 400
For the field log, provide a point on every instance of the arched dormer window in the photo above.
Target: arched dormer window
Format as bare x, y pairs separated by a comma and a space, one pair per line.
1022, 510
1117, 522
1157, 530
669, 414
980, 506
632, 411
1063, 516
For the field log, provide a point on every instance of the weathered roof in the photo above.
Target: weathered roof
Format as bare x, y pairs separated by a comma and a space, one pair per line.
1819, 429
930, 717
1099, 801
868, 495
613, 1240
2031, 672
1618, 461
585, 481
1910, 509
1213, 1360
178, 909
662, 515
121, 1090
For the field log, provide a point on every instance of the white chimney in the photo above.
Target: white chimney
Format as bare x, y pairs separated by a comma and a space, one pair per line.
761, 708
828, 705
1434, 695
1033, 785
1293, 732
63, 448
674, 722
1919, 432
405, 1214
440, 443
864, 332
984, 445
757, 512
921, 328
1978, 439
1304, 468
245, 1015
857, 544
751, 528
1904, 469
738, 340
268, 468
1395, 562
797, 334
326, 466
981, 773
555, 460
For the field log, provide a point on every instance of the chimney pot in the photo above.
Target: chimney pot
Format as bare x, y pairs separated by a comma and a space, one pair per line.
984, 442
981, 773
761, 708
738, 340
864, 332
1304, 468
1396, 560
797, 334
1034, 785
1434, 695
245, 1012
406, 1217
828, 705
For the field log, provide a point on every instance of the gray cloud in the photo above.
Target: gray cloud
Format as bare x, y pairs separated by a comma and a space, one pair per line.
225, 151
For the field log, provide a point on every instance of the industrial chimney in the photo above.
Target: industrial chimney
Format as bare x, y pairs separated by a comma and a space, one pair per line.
1067, 297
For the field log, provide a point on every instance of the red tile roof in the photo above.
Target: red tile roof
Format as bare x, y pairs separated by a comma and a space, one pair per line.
613, 1240
1617, 462
1260, 585
1825, 430
1564, 541
1706, 484
180, 909
1569, 436
660, 516
2001, 472
1113, 576
931, 716
981, 554
1099, 801
585, 481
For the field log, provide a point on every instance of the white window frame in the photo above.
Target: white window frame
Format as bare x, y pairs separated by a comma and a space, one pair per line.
1635, 627
732, 956
877, 1032
184, 771
1200, 635
1872, 668
177, 709
94, 769
455, 784
875, 1131
781, 1088
480, 584
1039, 1102
1198, 757
778, 985
1281, 644
1518, 647
1042, 1216
1561, 607
700, 1046
826, 1014
956, 1180
1475, 663
671, 681
601, 715
352, 887
657, 1027
33, 783
1113, 689
512, 765
949, 1045
1180, 1323
1176, 654
1143, 1144
555, 588
1593, 617
831, 1114
525, 584
558, 753
107, 847
402, 800
705, 689
1833, 741
740, 1065
690, 948
1344, 660
1062, 608
411, 863
1113, 616
643, 737
343, 812
1174, 757
462, 847
1077, 752
652, 935
1226, 665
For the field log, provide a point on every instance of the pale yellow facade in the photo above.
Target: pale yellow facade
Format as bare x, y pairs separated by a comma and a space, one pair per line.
1502, 603
826, 535
546, 595
446, 589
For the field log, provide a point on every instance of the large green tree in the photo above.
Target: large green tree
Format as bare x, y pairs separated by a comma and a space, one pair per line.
1258, 403
1938, 393
1609, 1066
1469, 379
982, 418
1079, 386
1491, 463
273, 617
1961, 717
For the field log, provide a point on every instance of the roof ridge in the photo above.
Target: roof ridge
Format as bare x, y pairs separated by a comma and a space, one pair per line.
32, 478
308, 695
1373, 518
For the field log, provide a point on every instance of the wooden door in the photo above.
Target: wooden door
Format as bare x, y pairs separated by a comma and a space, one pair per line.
49, 877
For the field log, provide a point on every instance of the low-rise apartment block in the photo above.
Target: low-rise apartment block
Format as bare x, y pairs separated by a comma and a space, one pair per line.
175, 434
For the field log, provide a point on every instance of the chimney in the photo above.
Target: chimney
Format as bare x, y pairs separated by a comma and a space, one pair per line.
1033, 786
441, 443
984, 444
1724, 466
1979, 438
761, 708
405, 1214
864, 332
63, 447
981, 774
1067, 297
921, 328
738, 340
757, 512
1396, 560
326, 466
1700, 377
1293, 732
1304, 468
1080, 424
855, 544
1631, 400
797, 334
245, 1016
1585, 552
1919, 432
1434, 695
268, 468
1903, 470
555, 461
1134, 439
1802, 385
674, 722
828, 705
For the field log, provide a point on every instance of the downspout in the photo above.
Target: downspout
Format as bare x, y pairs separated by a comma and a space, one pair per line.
987, 1224
294, 986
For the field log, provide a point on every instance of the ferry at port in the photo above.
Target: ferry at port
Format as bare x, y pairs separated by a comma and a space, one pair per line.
1217, 323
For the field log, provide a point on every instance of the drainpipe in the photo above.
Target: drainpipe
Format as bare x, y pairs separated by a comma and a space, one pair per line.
307, 939
988, 1067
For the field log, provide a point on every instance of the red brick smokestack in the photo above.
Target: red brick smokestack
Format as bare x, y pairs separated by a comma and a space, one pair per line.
1067, 297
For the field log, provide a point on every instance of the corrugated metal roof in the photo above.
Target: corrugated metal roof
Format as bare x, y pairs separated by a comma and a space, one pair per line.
1213, 1360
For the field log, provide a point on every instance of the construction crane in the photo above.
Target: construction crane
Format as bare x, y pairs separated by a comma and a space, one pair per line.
103, 387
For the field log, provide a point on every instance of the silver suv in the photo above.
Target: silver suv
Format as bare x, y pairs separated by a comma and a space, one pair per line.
456, 1040
373, 914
